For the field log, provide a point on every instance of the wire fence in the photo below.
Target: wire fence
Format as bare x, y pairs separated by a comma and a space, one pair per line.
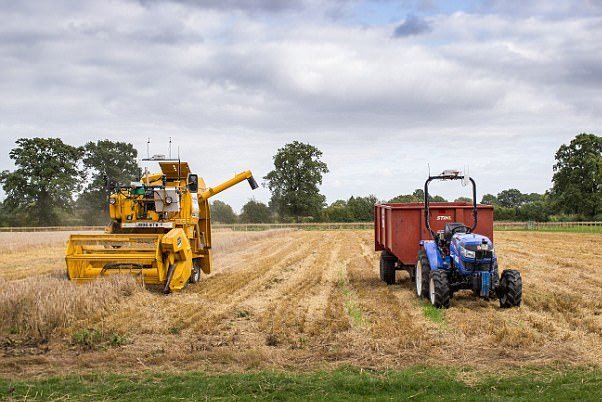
51, 228
593, 226
250, 227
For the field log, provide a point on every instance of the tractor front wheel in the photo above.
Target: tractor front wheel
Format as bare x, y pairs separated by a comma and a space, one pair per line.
387, 268
510, 289
439, 292
422, 275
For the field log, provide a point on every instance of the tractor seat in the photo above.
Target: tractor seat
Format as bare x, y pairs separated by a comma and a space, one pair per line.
449, 227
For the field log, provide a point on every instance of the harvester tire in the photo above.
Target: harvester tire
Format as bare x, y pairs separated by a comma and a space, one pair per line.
439, 292
422, 273
387, 268
195, 275
511, 289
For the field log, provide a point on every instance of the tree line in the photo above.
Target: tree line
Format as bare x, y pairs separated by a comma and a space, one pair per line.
575, 195
58, 184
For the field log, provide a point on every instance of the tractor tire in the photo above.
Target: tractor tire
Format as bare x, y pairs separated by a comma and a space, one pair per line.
387, 268
439, 292
511, 289
195, 275
422, 273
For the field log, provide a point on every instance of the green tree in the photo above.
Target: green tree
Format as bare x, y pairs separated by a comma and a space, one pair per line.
361, 209
489, 199
534, 211
533, 197
577, 180
417, 196
222, 212
405, 198
45, 180
504, 213
255, 212
337, 212
463, 199
4, 217
511, 198
107, 163
298, 171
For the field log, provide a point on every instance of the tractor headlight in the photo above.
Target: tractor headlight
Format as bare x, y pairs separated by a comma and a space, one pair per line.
112, 201
467, 253
168, 200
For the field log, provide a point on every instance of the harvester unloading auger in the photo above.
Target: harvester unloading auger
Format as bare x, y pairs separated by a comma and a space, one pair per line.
160, 230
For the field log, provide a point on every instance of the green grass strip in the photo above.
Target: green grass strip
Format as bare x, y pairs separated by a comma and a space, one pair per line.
418, 383
350, 298
433, 313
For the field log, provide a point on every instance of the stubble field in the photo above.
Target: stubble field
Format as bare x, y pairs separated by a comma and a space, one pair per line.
300, 301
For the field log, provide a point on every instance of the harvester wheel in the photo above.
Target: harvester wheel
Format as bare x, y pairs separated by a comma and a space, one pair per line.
422, 275
439, 292
511, 289
195, 276
387, 268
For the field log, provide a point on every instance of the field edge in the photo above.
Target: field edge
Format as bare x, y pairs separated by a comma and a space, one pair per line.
552, 382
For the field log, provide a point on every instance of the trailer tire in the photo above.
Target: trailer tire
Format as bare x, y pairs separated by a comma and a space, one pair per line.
387, 268
422, 275
439, 292
511, 289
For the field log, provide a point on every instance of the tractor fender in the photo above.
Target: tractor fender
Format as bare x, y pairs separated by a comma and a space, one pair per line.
432, 253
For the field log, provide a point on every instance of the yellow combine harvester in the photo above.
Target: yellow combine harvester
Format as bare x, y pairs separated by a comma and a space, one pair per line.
160, 230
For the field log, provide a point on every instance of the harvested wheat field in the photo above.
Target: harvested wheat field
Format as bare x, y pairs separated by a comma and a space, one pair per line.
296, 300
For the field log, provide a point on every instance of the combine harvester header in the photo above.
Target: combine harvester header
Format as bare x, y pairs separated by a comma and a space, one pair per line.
160, 230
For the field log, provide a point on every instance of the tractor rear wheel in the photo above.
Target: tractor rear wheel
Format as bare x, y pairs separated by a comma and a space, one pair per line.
439, 292
387, 268
195, 275
511, 289
422, 275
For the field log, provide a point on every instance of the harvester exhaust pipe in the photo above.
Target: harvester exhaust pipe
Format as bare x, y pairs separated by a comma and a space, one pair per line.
252, 183
170, 271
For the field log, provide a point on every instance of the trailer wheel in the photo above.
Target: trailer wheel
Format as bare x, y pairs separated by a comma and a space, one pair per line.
439, 292
387, 268
511, 289
422, 275
195, 276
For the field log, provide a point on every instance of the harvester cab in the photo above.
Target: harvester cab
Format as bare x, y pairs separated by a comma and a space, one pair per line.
458, 258
160, 230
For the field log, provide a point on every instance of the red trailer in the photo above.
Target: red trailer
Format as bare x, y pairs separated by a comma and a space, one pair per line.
399, 227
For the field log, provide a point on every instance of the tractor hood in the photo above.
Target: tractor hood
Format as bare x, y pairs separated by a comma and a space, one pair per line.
473, 242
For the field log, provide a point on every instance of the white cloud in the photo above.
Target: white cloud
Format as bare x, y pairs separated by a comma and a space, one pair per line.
499, 91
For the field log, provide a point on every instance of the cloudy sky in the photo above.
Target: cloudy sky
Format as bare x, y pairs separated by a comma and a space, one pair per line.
383, 88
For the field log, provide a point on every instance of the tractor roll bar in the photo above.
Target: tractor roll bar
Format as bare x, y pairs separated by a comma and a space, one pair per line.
448, 176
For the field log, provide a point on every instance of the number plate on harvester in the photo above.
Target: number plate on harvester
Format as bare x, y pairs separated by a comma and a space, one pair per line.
167, 225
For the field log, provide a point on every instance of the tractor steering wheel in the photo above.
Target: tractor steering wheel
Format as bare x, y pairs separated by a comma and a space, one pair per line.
453, 231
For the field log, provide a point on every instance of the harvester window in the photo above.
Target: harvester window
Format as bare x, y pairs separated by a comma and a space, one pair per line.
193, 183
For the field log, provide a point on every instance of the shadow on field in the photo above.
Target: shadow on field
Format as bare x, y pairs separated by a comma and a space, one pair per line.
462, 298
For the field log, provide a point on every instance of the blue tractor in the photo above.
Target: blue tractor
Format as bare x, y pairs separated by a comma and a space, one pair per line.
457, 258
